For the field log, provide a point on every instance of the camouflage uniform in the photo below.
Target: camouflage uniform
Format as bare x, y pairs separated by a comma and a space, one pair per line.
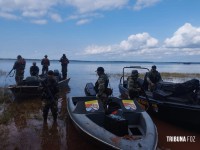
50, 97
134, 87
19, 66
153, 77
45, 63
101, 85
100, 88
64, 63
34, 70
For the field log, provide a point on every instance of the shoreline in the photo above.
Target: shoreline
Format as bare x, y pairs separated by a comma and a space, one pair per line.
164, 75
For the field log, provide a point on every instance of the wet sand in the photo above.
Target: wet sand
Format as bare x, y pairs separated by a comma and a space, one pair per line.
26, 131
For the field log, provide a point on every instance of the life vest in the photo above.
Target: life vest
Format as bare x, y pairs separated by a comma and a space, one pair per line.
64, 61
45, 62
154, 77
22, 61
21, 64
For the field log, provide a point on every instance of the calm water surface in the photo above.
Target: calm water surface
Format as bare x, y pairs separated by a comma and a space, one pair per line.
27, 131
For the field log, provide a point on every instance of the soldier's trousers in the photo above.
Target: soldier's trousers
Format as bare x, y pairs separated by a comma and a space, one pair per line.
19, 76
53, 106
64, 72
45, 69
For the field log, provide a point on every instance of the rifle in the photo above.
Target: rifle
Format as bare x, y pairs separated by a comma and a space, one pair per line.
9, 73
52, 99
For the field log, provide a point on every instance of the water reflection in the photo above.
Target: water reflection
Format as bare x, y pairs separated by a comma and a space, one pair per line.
50, 138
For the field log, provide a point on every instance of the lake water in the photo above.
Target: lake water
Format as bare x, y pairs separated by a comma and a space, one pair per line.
80, 74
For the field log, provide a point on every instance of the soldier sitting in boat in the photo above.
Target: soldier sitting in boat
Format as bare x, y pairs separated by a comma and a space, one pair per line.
19, 66
101, 86
50, 96
134, 87
153, 77
34, 70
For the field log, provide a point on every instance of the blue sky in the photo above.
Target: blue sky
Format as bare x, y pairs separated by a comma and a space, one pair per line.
134, 30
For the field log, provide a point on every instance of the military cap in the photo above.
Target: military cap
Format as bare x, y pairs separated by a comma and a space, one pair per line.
153, 67
19, 56
134, 73
50, 72
100, 69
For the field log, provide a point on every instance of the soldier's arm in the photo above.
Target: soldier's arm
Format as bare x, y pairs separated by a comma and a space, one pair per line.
15, 65
101, 87
148, 78
160, 78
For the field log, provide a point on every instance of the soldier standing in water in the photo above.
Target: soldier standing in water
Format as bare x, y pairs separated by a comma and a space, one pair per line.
45, 65
64, 63
19, 66
50, 96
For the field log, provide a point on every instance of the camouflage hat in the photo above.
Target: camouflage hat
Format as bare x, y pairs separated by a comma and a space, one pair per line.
19, 56
50, 72
134, 73
100, 69
153, 67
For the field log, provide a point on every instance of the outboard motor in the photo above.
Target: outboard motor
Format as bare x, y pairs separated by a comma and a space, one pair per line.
89, 90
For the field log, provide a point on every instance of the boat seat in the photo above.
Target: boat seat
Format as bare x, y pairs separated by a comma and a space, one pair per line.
161, 95
178, 99
179, 88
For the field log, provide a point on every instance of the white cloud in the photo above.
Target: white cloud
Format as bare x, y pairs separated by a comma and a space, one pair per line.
27, 8
138, 43
184, 42
84, 6
86, 15
8, 16
186, 36
56, 17
94, 49
34, 13
140, 4
83, 21
49, 9
39, 21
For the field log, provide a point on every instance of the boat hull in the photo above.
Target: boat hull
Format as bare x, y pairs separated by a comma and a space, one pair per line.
92, 124
28, 91
174, 111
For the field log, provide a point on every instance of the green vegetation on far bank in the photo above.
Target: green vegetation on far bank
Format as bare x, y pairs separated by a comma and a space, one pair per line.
165, 75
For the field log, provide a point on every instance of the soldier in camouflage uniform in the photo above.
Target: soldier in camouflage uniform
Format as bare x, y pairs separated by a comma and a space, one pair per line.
34, 70
152, 78
19, 66
45, 65
134, 87
50, 96
64, 63
101, 86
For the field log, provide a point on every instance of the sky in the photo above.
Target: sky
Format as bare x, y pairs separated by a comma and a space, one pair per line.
102, 30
